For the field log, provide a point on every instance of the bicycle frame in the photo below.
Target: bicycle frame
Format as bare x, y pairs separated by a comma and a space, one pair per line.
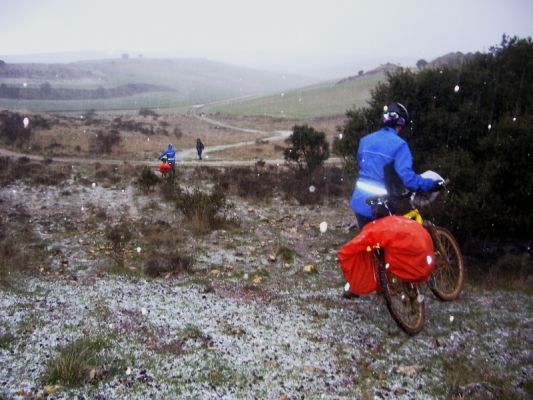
446, 250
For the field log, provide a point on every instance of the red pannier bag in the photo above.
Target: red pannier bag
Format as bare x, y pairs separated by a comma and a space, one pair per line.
408, 251
165, 167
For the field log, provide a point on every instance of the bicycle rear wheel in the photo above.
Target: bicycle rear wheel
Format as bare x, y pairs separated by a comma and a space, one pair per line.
404, 301
447, 280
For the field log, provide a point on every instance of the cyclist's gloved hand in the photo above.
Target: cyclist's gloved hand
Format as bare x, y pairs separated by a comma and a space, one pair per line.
441, 185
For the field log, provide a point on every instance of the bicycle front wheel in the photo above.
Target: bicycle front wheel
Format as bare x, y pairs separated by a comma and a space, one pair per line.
404, 301
447, 280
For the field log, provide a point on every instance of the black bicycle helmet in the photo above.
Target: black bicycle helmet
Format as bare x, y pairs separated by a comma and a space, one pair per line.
395, 114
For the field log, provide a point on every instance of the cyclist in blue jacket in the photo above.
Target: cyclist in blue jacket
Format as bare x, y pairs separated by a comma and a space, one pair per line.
384, 161
170, 154
383, 156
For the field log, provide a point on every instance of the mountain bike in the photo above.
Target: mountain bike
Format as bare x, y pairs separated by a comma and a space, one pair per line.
406, 300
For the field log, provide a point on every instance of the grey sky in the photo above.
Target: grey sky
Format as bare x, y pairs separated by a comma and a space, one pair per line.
295, 35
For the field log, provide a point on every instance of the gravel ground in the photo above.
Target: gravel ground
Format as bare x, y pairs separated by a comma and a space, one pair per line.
242, 323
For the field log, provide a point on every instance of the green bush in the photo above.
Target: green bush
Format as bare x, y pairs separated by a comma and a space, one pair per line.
478, 136
12, 129
308, 148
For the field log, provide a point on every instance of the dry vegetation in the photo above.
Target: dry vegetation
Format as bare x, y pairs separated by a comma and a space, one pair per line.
119, 285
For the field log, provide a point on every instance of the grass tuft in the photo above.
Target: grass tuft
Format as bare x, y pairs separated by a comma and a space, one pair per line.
75, 361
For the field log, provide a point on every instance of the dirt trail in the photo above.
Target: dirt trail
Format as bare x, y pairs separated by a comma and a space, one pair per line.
184, 158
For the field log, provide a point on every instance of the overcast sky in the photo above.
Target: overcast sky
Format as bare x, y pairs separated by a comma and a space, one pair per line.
289, 35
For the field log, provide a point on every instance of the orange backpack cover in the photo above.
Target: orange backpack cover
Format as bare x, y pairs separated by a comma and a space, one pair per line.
408, 251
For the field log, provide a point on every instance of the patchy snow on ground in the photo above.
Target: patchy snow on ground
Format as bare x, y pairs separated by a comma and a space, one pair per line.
243, 323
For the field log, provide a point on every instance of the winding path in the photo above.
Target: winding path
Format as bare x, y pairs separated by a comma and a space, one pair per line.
186, 157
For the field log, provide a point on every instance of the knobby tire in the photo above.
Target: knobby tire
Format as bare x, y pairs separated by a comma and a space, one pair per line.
447, 280
402, 298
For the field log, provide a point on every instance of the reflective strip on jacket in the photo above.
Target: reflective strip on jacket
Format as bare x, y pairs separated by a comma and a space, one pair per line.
376, 151
171, 155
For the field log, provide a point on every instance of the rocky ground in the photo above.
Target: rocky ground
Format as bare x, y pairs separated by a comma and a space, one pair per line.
257, 314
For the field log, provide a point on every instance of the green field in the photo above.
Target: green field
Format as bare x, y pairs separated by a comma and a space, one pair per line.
314, 101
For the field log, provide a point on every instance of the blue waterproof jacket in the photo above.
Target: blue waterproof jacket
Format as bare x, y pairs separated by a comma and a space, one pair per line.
170, 153
377, 151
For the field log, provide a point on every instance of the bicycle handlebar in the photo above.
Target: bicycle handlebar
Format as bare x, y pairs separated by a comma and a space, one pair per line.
383, 200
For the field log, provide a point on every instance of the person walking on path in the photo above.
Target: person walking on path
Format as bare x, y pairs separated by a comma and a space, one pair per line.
199, 148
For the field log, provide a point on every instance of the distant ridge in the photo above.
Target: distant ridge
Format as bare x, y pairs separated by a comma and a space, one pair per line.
387, 67
452, 59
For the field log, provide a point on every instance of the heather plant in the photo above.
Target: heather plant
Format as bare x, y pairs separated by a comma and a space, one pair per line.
147, 179
204, 211
118, 236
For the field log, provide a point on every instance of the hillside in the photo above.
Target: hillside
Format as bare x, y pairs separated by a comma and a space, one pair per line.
331, 98
161, 83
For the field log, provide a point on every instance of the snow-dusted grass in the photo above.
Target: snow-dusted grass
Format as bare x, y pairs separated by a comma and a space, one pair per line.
245, 321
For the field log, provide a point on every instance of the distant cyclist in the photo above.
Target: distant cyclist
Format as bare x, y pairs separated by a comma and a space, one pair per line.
170, 154
384, 160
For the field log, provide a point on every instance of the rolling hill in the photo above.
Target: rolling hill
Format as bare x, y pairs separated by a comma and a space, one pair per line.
326, 99
165, 83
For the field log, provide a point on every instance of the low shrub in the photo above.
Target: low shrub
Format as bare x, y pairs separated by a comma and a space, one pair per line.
258, 183
511, 272
169, 187
285, 254
148, 112
118, 236
162, 264
103, 142
204, 211
147, 179
12, 128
